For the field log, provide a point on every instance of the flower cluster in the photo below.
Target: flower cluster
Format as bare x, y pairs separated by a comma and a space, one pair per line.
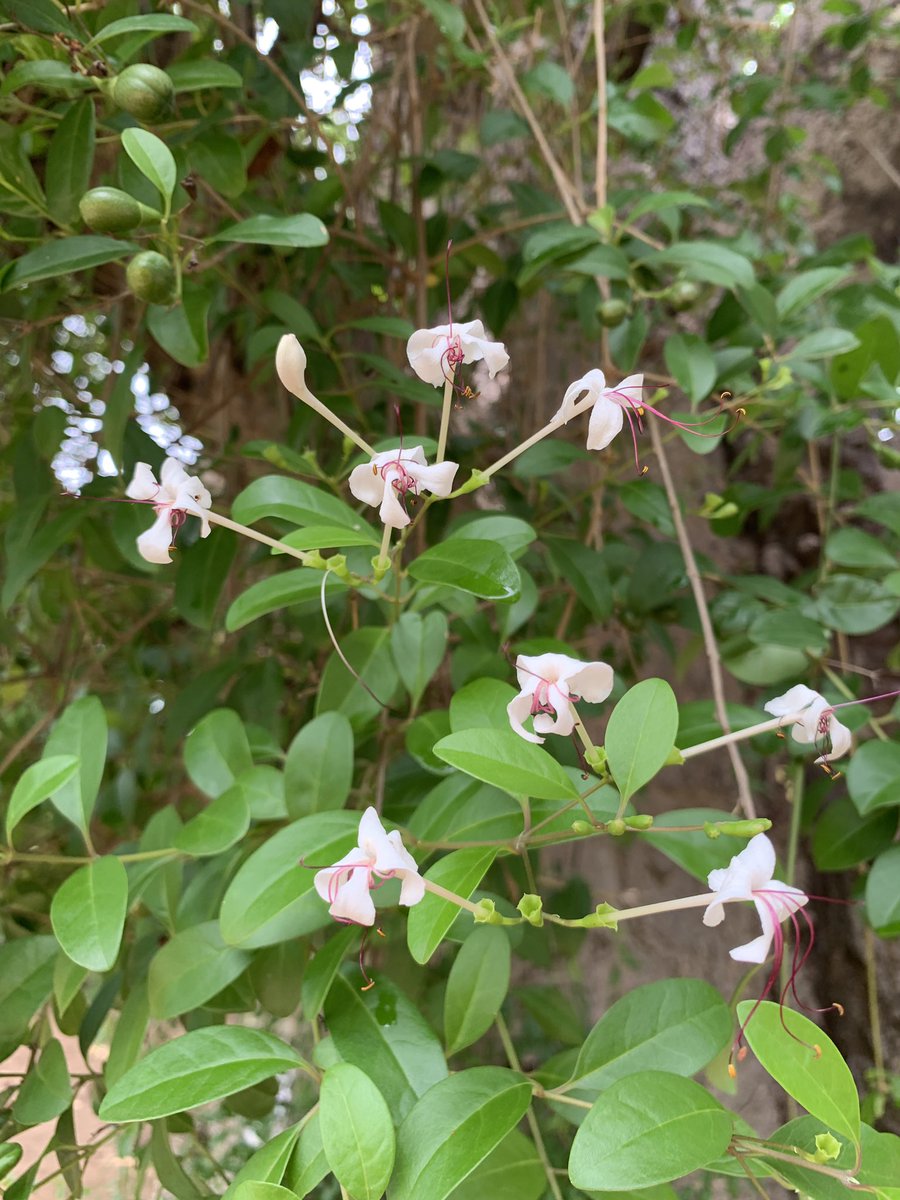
173, 497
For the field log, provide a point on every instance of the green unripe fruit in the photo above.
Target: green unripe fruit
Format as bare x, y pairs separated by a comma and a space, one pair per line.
683, 295
151, 277
616, 827
109, 210
144, 92
612, 313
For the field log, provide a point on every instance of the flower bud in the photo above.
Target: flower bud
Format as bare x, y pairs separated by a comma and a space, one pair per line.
616, 827
144, 92
151, 277
743, 829
639, 821
582, 827
109, 210
531, 908
290, 363
683, 295
612, 312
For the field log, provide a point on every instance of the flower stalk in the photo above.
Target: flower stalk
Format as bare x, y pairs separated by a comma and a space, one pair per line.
740, 735
445, 415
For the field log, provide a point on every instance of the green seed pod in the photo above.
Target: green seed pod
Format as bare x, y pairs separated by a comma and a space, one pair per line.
109, 210
144, 92
639, 821
683, 295
612, 313
151, 277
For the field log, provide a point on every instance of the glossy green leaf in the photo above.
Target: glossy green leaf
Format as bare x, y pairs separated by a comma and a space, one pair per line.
357, 1133
584, 571
322, 971
271, 897
204, 1065
308, 1165
182, 331
418, 645
854, 604
707, 261
690, 360
190, 969
640, 734
155, 23
453, 1128
480, 568
217, 751
276, 974
338, 537
368, 652
883, 893
804, 1061
302, 585
26, 980
461, 871
843, 839
854, 548
301, 231
80, 731
36, 784
153, 159
512, 1171
823, 343
674, 1025
88, 913
202, 571
873, 776
294, 501
476, 987
268, 1164
383, 1033
128, 1036
502, 758
318, 770
201, 74
40, 15
807, 286
69, 161
481, 704
648, 1128
221, 824
64, 256
46, 1091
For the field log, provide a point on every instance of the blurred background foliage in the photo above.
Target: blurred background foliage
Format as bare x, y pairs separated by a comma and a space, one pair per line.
737, 241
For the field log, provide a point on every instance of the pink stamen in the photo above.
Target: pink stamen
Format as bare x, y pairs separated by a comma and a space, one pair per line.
863, 700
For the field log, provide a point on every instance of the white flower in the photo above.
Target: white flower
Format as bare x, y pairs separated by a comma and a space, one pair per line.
434, 354
378, 855
816, 723
290, 363
749, 877
550, 683
387, 479
608, 405
177, 493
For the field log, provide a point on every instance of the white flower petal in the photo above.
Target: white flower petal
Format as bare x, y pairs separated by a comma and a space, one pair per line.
607, 418
290, 363
517, 710
562, 724
437, 479
798, 698
154, 544
756, 951
143, 484
392, 511
173, 477
372, 834
630, 390
366, 483
841, 740
593, 383
352, 901
593, 682
412, 889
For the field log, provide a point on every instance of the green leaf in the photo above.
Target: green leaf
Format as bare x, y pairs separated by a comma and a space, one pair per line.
88, 913
80, 731
583, 570
852, 604
501, 757
823, 343
453, 1128
26, 980
691, 362
46, 1091
674, 1025
549, 79
477, 986
182, 331
203, 1065
883, 893
640, 734
321, 972
483, 569
190, 969
308, 1165
843, 839
707, 261
788, 628
269, 1163
36, 784
203, 74
167, 1165
40, 15
806, 287
219, 826
63, 256
383, 1033
271, 898
461, 871
320, 537
481, 704
300, 586
69, 161
318, 770
294, 501
512, 1171
693, 851
804, 1061
852, 548
128, 1036
368, 652
872, 776
449, 19
300, 231
155, 23
153, 159
357, 1133
418, 644
219, 159
648, 1128
217, 751
202, 571
512, 533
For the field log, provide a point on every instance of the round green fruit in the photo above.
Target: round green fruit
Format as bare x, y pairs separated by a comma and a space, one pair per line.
109, 210
612, 313
683, 295
144, 92
151, 277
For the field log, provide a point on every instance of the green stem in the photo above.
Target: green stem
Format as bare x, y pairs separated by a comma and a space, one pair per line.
513, 1060
797, 780
445, 416
446, 894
